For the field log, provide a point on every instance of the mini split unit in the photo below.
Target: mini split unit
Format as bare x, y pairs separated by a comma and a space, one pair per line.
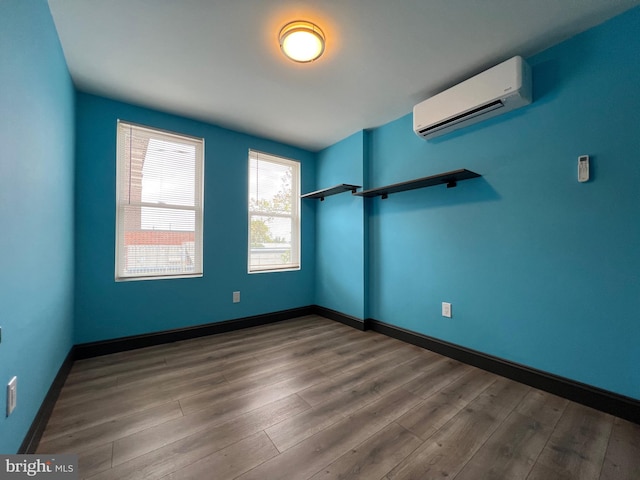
500, 89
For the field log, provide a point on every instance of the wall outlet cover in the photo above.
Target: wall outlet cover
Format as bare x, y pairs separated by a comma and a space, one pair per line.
446, 309
12, 395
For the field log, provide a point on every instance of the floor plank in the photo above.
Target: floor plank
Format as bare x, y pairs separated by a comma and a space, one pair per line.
445, 453
544, 407
432, 414
577, 446
229, 462
622, 460
311, 455
510, 452
162, 458
295, 429
87, 438
437, 377
67, 419
150, 439
95, 460
374, 457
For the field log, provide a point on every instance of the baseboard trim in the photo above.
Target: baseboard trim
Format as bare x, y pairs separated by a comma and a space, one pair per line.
340, 317
105, 347
600, 399
34, 434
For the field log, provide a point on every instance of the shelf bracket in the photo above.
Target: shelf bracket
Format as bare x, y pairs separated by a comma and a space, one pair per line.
451, 184
384, 196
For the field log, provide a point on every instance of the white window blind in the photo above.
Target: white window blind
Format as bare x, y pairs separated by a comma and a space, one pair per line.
274, 213
159, 204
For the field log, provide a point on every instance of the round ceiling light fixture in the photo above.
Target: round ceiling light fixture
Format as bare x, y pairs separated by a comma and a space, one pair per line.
301, 41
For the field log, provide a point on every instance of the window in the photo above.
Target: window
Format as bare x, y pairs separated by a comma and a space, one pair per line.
274, 213
159, 204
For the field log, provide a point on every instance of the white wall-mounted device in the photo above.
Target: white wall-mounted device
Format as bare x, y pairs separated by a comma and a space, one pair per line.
505, 87
583, 168
12, 395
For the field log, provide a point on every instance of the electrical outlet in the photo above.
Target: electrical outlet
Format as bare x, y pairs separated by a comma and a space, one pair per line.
446, 309
236, 297
12, 395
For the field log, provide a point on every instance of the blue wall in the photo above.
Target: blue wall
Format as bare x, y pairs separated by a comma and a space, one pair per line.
36, 210
540, 269
340, 229
106, 309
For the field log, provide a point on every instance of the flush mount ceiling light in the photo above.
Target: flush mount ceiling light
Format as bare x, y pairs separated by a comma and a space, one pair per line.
301, 41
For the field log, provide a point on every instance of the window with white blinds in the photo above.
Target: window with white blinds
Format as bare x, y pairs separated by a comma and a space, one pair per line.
274, 213
159, 204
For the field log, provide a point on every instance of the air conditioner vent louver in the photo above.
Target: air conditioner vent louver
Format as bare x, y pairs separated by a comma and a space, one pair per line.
463, 116
505, 87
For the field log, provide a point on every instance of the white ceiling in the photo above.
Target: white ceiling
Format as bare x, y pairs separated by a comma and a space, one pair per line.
219, 60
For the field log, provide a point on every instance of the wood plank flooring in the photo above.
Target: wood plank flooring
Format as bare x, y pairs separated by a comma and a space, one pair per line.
310, 398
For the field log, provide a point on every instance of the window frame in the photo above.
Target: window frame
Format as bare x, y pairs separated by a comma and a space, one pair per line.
197, 208
296, 213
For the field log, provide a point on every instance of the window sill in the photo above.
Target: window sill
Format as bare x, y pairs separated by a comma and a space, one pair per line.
159, 277
275, 270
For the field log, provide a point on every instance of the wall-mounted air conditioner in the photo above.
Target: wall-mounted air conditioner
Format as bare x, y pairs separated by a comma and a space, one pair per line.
505, 87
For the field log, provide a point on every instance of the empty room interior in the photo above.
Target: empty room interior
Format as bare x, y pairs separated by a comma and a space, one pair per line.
412, 252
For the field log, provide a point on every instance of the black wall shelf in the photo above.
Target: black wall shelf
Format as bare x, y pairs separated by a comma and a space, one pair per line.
449, 179
326, 192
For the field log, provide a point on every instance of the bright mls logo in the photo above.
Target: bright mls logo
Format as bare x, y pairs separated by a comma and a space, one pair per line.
52, 467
